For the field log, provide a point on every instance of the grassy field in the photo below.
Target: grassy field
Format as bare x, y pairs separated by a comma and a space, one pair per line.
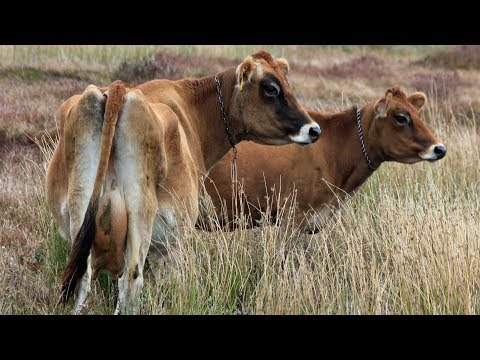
407, 243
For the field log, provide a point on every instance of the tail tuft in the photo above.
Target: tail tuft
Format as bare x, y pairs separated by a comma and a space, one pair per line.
77, 263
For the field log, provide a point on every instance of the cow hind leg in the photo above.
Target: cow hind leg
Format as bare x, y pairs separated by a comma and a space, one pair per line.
131, 281
82, 158
83, 288
136, 165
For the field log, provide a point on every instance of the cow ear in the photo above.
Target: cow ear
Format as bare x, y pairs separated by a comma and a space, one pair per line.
283, 65
381, 105
381, 108
417, 99
244, 71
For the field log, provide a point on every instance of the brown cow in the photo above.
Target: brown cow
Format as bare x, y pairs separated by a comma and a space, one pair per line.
127, 155
392, 131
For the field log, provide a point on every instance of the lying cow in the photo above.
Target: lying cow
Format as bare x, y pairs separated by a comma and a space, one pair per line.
127, 155
354, 143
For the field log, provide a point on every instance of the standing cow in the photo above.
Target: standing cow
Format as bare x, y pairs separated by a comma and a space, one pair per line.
354, 144
126, 155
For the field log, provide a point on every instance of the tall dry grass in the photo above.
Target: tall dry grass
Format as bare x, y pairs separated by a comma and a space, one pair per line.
407, 243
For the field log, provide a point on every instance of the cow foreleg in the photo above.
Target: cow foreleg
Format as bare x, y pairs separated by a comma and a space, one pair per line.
165, 234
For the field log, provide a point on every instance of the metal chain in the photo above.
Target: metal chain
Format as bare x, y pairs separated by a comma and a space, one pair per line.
362, 141
227, 129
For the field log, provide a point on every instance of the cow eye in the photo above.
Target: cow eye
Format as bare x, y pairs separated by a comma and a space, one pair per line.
402, 119
271, 89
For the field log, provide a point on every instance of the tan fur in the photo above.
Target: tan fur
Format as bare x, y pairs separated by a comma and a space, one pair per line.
334, 166
418, 99
245, 71
283, 65
108, 130
380, 107
169, 134
95, 111
111, 222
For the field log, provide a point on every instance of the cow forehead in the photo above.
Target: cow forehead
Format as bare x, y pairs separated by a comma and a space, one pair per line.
269, 64
272, 68
400, 103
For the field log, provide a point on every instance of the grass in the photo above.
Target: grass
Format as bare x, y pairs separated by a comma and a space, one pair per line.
407, 243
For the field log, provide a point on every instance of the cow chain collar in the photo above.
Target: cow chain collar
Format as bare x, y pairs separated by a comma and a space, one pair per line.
227, 129
362, 141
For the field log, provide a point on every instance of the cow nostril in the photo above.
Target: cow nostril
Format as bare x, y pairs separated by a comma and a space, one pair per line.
440, 151
314, 131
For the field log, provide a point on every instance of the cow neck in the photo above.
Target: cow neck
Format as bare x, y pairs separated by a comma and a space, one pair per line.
209, 123
346, 163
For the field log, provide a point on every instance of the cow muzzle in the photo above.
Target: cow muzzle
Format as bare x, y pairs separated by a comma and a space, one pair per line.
308, 134
434, 152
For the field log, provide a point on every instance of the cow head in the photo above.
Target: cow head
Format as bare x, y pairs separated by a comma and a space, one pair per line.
402, 134
265, 105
